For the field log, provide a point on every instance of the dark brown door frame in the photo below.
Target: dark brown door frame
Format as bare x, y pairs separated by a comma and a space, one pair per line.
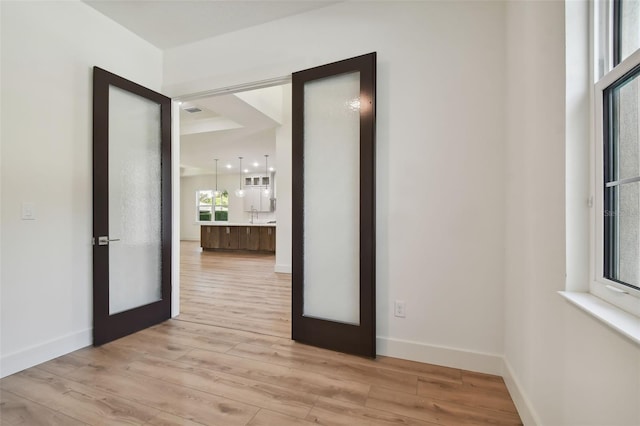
356, 339
110, 327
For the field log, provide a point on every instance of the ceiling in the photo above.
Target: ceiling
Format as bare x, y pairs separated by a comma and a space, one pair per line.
171, 23
227, 126
230, 126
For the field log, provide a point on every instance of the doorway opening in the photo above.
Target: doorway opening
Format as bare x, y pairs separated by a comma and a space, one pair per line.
235, 208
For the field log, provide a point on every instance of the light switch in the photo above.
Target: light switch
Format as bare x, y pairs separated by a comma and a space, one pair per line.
28, 211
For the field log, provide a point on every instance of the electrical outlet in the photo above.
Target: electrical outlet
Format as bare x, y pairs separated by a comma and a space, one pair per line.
28, 211
400, 309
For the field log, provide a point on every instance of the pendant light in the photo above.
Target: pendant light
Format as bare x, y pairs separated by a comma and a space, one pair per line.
240, 192
216, 193
267, 188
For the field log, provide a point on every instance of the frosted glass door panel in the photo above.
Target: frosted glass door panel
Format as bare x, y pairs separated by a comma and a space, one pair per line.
134, 201
331, 204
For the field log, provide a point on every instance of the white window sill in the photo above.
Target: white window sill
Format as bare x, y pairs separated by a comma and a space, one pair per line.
621, 321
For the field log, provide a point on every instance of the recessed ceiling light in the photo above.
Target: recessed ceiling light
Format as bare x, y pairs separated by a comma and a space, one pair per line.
256, 164
246, 170
271, 169
229, 166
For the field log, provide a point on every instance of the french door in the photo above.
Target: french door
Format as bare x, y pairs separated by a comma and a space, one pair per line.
131, 207
333, 153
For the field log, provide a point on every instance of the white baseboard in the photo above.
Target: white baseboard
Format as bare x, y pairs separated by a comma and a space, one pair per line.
282, 269
465, 360
34, 355
528, 415
440, 355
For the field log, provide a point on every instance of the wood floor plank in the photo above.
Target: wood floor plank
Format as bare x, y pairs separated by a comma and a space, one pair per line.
185, 340
437, 411
296, 357
465, 395
270, 418
242, 304
236, 290
302, 380
291, 402
328, 411
428, 371
64, 365
108, 355
145, 344
166, 419
484, 382
420, 369
75, 400
275, 328
19, 411
179, 327
178, 400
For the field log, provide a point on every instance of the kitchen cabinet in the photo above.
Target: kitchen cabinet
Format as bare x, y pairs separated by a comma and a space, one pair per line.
267, 239
210, 237
238, 237
256, 200
229, 238
219, 237
249, 238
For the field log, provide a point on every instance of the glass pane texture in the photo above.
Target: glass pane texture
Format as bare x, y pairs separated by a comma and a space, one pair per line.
331, 199
629, 27
205, 198
626, 243
134, 201
625, 149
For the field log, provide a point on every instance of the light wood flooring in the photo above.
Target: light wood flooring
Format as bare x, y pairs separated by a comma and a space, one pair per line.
234, 290
219, 364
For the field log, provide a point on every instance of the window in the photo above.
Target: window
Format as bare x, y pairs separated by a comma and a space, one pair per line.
211, 206
627, 33
621, 171
617, 154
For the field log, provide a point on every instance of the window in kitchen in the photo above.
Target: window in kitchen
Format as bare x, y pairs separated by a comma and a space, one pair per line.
210, 206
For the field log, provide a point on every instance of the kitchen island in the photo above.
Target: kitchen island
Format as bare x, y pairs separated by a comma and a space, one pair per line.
258, 237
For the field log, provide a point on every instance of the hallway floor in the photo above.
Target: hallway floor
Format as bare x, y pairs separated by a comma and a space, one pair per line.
219, 364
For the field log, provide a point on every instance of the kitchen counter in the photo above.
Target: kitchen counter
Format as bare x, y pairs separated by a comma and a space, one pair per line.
201, 223
238, 236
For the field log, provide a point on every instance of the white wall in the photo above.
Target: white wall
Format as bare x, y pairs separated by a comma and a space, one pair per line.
571, 369
189, 228
440, 232
48, 51
283, 185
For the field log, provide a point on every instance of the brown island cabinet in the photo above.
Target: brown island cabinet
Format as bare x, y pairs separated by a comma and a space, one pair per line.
238, 237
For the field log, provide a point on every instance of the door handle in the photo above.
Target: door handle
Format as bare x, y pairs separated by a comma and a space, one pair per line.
104, 240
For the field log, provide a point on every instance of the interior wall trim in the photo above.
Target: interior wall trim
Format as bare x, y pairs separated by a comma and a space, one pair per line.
37, 354
277, 81
527, 413
440, 355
